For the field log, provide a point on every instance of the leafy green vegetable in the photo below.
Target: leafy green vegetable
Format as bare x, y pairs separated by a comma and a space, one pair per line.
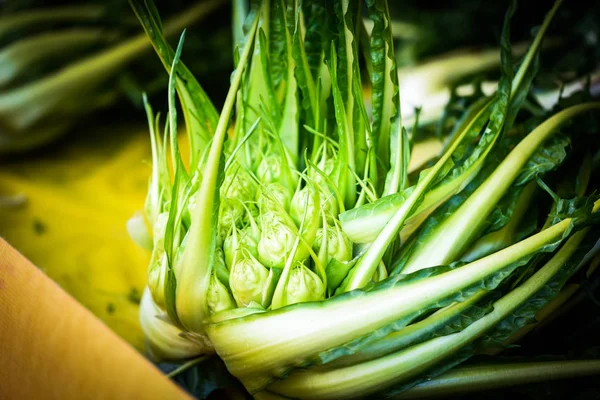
51, 78
297, 247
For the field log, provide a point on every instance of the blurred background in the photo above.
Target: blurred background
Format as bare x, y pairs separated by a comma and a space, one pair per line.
74, 148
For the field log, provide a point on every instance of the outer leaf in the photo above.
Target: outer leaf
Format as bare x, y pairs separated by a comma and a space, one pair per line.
397, 178
304, 74
468, 159
364, 223
508, 228
277, 43
344, 160
448, 239
402, 366
348, 78
545, 159
524, 76
199, 255
385, 93
537, 291
270, 103
446, 321
289, 129
365, 267
316, 42
580, 245
502, 212
200, 114
256, 93
248, 345
172, 239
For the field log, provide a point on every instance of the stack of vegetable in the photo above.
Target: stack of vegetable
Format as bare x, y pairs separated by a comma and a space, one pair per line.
293, 243
60, 63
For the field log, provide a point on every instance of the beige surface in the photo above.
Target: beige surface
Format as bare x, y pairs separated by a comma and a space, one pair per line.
53, 348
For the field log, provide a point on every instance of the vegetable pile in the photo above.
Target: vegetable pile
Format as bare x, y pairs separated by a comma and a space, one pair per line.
60, 63
292, 241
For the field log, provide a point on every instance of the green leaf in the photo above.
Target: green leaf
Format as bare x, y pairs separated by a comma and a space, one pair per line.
200, 114
366, 265
360, 223
278, 46
507, 224
399, 369
580, 245
289, 127
270, 103
317, 14
344, 160
546, 158
348, 78
172, 240
385, 93
304, 74
248, 344
256, 88
446, 321
459, 230
336, 272
198, 258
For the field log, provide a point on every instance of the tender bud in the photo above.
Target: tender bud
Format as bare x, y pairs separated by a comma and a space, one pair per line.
276, 241
299, 203
157, 272
138, 231
327, 204
304, 285
239, 185
231, 215
247, 279
233, 245
339, 246
326, 166
218, 297
270, 169
273, 197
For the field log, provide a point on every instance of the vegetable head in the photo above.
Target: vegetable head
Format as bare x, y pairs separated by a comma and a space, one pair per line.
274, 168
274, 196
379, 298
304, 199
304, 285
276, 240
239, 185
338, 246
248, 280
236, 244
219, 299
